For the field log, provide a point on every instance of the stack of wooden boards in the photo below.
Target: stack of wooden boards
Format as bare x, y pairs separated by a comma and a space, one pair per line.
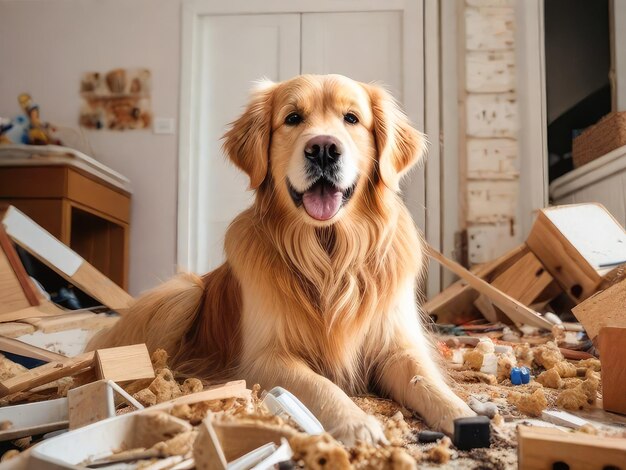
19, 298
575, 253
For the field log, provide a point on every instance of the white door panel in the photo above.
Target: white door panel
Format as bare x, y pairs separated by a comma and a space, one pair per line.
365, 46
235, 51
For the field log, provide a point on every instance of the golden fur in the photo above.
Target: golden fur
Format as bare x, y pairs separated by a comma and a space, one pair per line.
321, 308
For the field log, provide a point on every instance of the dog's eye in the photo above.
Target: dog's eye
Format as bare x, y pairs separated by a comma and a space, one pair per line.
293, 119
351, 118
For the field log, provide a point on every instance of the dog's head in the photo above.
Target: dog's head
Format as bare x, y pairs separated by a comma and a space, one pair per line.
316, 141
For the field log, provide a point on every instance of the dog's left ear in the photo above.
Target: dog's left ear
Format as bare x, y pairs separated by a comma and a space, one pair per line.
247, 142
399, 145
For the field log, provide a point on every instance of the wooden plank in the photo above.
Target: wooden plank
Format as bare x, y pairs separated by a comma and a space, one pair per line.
15, 329
89, 404
492, 115
578, 244
236, 388
490, 71
12, 296
47, 373
541, 448
492, 202
525, 280
64, 261
71, 321
454, 304
512, 308
15, 346
207, 449
489, 28
124, 363
16, 264
606, 308
492, 159
612, 342
45, 309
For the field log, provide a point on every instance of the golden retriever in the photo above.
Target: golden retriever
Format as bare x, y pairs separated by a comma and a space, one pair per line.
317, 293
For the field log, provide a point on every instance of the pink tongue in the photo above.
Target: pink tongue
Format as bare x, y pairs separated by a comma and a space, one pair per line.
322, 202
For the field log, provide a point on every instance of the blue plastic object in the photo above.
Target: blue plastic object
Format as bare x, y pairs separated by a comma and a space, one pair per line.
516, 376
525, 374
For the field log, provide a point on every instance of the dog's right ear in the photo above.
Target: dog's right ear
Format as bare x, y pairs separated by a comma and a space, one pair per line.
247, 142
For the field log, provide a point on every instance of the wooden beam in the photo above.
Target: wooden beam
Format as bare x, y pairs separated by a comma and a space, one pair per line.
542, 448
207, 449
612, 342
515, 310
15, 346
124, 363
606, 308
47, 373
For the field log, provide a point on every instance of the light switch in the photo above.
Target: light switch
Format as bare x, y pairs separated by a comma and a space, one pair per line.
163, 126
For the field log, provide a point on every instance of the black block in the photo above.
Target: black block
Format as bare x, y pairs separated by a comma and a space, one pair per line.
470, 433
429, 436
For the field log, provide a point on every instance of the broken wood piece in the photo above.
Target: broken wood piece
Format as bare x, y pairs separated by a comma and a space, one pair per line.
124, 363
578, 244
63, 260
33, 418
563, 418
455, 303
234, 389
544, 448
94, 402
516, 311
612, 342
207, 449
16, 289
606, 308
84, 320
47, 373
237, 439
20, 348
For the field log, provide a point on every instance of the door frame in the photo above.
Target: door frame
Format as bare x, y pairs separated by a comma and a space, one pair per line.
420, 70
533, 130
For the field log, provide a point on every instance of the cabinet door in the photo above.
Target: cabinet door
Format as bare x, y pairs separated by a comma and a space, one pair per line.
365, 46
234, 52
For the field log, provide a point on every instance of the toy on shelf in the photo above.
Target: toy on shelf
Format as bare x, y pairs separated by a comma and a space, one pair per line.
37, 132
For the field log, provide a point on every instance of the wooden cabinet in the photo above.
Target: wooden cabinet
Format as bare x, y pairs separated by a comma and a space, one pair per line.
85, 212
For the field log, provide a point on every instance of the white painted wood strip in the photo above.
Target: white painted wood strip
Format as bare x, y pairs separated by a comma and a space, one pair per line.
492, 159
25, 232
489, 28
490, 3
488, 242
490, 71
492, 115
492, 201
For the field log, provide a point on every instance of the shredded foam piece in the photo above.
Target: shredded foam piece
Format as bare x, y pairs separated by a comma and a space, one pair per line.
159, 359
591, 363
473, 359
473, 376
525, 355
505, 364
441, 453
565, 369
548, 355
180, 444
580, 397
319, 452
531, 404
550, 378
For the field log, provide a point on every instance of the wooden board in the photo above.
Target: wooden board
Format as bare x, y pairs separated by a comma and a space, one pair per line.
612, 342
89, 404
73, 320
236, 388
124, 363
578, 244
60, 258
15, 346
15, 329
541, 448
606, 308
13, 280
45, 309
47, 373
516, 311
525, 280
455, 304
207, 450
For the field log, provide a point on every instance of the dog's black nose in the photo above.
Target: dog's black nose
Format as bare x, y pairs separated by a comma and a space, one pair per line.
323, 150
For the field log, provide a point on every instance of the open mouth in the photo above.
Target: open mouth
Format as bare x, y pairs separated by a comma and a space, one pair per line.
322, 200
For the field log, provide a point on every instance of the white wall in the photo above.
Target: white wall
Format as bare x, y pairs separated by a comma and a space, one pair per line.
45, 47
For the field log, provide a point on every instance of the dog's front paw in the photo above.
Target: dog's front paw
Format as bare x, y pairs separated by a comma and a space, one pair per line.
359, 427
458, 409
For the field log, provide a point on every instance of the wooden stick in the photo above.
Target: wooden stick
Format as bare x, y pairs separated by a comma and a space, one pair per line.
15, 346
46, 373
515, 310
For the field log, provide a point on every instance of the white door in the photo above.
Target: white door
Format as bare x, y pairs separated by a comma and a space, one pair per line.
235, 51
365, 46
